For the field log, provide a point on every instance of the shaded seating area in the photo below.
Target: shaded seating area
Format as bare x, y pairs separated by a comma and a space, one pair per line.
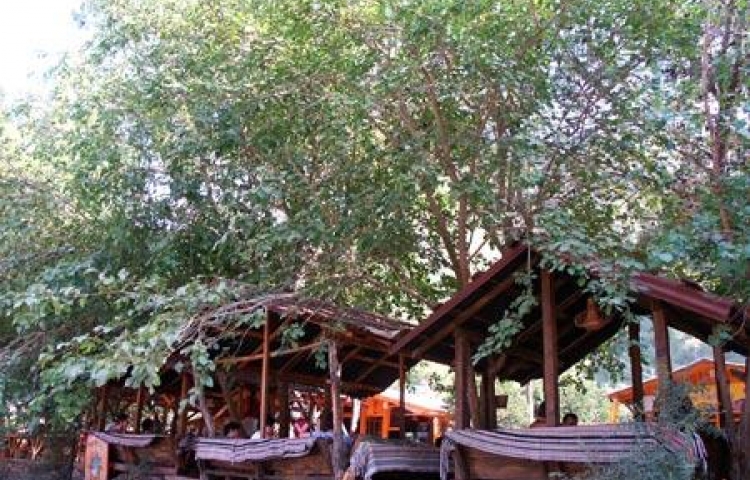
109, 455
287, 459
563, 324
377, 460
260, 379
534, 454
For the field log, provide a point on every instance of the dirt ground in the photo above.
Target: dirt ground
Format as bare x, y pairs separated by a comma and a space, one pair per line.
31, 470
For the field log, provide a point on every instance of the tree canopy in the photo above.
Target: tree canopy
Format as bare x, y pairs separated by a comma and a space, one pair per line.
374, 152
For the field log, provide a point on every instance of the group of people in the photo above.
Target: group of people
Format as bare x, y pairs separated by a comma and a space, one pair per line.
120, 424
301, 428
570, 419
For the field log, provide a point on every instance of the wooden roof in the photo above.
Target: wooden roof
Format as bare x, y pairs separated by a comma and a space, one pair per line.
363, 340
483, 302
699, 372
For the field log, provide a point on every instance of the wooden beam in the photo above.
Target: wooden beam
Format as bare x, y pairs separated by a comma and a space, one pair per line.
526, 354
264, 373
661, 344
354, 351
460, 384
381, 362
315, 381
723, 392
551, 358
402, 396
462, 317
275, 354
636, 369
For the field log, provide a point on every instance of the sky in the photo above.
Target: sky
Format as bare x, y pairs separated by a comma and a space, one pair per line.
33, 33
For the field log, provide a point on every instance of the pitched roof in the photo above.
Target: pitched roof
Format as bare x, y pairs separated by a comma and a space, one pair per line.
483, 302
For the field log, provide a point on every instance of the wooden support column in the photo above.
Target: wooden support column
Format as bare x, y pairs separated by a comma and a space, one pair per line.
264, 374
140, 397
183, 413
661, 344
285, 417
101, 409
401, 396
489, 399
471, 384
726, 417
636, 370
338, 411
549, 340
460, 383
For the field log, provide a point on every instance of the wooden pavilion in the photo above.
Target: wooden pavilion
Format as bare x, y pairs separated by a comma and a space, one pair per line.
258, 364
561, 329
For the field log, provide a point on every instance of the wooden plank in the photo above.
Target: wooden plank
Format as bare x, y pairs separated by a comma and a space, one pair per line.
551, 358
96, 459
636, 368
724, 400
460, 385
464, 316
661, 344
264, 373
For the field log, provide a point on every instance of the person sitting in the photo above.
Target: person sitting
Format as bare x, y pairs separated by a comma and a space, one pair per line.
301, 426
119, 424
570, 419
233, 430
148, 426
269, 431
540, 417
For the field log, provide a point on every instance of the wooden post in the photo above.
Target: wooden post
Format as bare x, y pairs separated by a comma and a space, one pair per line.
471, 384
208, 419
285, 417
334, 371
184, 387
264, 374
661, 344
101, 421
460, 383
139, 408
636, 369
401, 397
549, 340
489, 407
726, 416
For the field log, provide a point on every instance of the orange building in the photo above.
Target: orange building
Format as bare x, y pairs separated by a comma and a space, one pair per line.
701, 377
426, 417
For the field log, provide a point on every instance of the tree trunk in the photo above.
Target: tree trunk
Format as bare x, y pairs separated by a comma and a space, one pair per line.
334, 371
